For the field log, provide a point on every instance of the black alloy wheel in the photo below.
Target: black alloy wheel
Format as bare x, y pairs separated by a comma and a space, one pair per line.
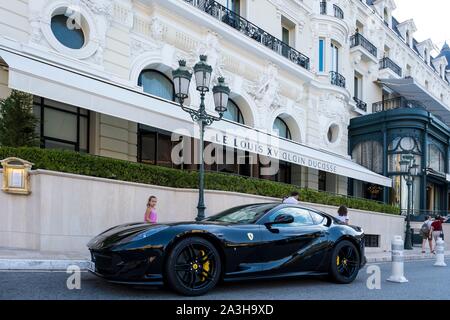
193, 267
345, 262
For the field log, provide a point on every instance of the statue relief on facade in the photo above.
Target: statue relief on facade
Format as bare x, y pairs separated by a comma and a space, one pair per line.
156, 30
330, 106
211, 48
266, 91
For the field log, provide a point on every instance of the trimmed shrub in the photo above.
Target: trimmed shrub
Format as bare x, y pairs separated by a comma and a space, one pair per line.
95, 166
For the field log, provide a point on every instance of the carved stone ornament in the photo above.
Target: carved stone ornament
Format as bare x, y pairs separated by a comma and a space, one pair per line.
36, 32
140, 46
266, 91
100, 7
156, 30
211, 48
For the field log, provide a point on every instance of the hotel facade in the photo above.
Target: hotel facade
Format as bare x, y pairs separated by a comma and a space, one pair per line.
333, 91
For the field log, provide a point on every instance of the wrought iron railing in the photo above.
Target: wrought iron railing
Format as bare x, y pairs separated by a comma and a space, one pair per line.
391, 104
338, 13
337, 79
359, 40
387, 63
419, 215
361, 105
246, 27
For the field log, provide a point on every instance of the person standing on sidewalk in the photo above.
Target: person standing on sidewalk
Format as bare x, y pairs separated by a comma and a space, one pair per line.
293, 199
150, 212
343, 214
425, 232
437, 230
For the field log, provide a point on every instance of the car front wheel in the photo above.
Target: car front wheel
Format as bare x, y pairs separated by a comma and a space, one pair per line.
193, 267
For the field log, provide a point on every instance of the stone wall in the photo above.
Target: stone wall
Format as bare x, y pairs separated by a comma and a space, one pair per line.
65, 211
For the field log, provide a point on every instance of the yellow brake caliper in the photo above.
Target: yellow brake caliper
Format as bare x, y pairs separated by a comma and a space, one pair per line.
206, 265
337, 260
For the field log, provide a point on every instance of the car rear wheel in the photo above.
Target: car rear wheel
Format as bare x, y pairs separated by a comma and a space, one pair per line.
193, 267
345, 262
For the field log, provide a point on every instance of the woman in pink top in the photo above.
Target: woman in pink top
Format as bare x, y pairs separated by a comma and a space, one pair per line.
150, 213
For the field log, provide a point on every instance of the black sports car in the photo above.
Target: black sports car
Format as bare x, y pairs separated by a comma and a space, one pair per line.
247, 242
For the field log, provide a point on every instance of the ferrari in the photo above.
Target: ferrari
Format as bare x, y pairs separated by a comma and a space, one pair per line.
256, 241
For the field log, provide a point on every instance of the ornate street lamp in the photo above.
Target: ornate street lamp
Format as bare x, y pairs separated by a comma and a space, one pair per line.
182, 78
409, 170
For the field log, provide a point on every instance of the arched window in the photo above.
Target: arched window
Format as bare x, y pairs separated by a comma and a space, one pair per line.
157, 84
233, 112
400, 146
281, 128
67, 32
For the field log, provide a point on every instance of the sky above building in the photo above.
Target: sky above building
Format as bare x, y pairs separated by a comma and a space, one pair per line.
431, 18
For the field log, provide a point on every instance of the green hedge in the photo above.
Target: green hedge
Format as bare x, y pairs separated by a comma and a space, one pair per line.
95, 166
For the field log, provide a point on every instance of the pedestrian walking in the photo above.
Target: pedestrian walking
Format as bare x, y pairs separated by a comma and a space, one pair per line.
150, 212
343, 214
437, 230
293, 199
425, 232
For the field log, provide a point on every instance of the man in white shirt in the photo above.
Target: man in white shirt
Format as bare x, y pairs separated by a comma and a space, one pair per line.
293, 199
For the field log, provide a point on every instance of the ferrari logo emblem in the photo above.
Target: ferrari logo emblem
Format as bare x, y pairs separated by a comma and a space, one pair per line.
250, 236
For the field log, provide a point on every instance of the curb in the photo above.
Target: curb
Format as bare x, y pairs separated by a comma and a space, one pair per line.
62, 265
408, 258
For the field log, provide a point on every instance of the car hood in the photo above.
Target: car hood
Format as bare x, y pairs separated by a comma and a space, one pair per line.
112, 236
115, 234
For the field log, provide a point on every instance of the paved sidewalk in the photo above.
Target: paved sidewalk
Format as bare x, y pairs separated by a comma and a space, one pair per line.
20, 259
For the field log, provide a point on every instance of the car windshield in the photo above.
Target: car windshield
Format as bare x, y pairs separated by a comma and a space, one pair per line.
243, 214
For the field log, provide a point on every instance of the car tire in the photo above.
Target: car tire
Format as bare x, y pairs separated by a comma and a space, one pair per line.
345, 263
193, 267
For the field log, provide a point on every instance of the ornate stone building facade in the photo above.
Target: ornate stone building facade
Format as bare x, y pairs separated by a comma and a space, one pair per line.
298, 71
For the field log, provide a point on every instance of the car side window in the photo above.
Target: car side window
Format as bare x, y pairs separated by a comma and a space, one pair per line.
301, 217
318, 218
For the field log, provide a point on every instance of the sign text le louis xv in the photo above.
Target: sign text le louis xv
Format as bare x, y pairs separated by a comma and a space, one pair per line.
274, 152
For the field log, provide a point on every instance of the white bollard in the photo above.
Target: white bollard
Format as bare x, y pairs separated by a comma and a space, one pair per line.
397, 261
440, 257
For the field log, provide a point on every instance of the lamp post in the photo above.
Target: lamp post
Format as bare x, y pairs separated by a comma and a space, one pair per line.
409, 170
202, 73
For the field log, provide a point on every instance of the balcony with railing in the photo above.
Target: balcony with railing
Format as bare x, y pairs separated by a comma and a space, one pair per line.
337, 79
251, 30
387, 63
361, 105
359, 41
392, 104
337, 11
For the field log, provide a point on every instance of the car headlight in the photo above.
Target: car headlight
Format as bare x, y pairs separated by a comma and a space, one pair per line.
142, 235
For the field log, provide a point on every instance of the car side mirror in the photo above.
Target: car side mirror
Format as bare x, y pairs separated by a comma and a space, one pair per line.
281, 219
